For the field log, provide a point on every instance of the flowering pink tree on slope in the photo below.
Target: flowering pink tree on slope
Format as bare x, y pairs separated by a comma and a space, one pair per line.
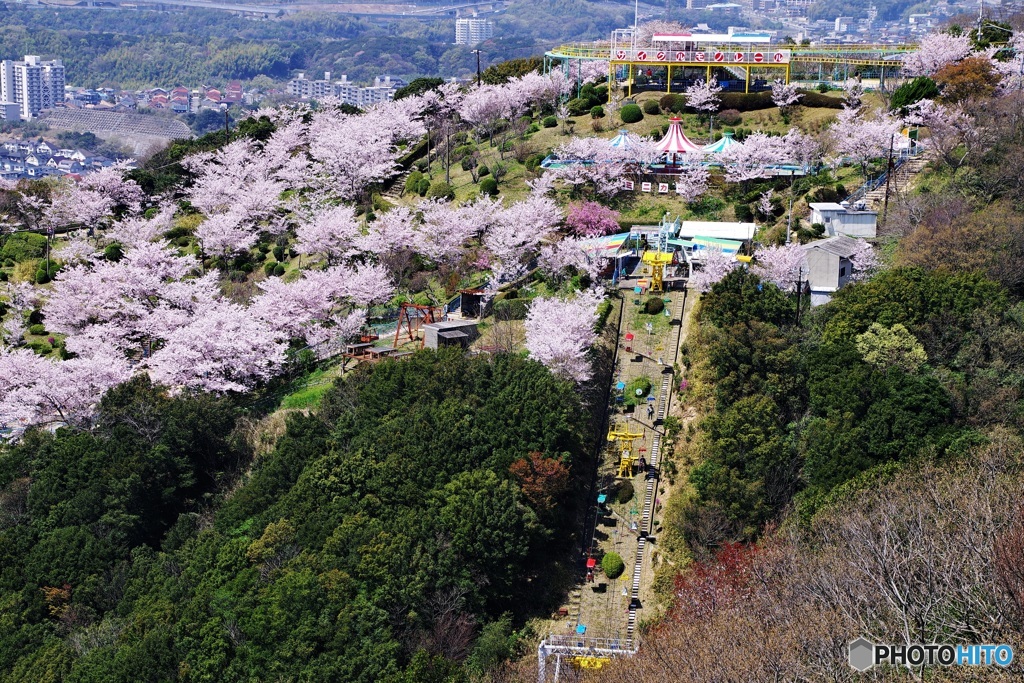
704, 97
559, 332
865, 261
780, 265
331, 231
590, 219
751, 160
784, 97
936, 51
692, 182
864, 139
952, 132
715, 265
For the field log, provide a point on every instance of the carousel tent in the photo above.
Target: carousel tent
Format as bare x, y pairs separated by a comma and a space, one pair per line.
621, 141
675, 142
720, 146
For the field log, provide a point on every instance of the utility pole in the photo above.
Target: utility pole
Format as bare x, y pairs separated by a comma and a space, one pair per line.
888, 177
789, 221
227, 130
477, 53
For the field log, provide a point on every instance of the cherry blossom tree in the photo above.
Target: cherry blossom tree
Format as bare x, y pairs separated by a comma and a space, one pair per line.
853, 92
863, 139
751, 160
570, 254
38, 390
714, 265
952, 132
784, 97
590, 219
560, 331
330, 231
865, 261
781, 265
692, 182
704, 97
764, 203
225, 349
936, 51
135, 230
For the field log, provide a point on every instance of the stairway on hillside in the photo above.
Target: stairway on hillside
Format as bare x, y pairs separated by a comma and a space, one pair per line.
900, 183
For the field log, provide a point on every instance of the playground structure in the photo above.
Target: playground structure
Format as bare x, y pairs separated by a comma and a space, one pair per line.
744, 62
628, 457
656, 262
412, 318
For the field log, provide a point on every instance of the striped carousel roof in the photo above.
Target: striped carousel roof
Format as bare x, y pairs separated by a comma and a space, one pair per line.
675, 140
719, 146
621, 141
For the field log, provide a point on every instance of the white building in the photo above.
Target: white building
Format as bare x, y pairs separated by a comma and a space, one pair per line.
840, 219
382, 90
473, 31
829, 266
32, 83
10, 111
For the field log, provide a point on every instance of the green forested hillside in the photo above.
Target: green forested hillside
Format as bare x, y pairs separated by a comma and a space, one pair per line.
374, 543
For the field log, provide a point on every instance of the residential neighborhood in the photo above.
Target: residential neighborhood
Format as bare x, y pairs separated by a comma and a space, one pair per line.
27, 159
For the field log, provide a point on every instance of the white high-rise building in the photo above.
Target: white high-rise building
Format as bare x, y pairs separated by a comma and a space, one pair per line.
473, 31
32, 83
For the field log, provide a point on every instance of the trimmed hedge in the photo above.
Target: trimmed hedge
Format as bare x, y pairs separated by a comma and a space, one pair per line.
550, 122
597, 112
489, 186
673, 102
631, 113
651, 107
625, 492
654, 305
613, 565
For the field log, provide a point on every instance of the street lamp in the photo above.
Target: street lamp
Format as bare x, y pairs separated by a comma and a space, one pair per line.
477, 53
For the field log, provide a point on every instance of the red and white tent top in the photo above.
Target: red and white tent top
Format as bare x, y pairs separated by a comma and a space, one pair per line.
675, 140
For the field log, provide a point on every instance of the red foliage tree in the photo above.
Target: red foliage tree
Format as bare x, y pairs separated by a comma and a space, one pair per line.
716, 584
541, 479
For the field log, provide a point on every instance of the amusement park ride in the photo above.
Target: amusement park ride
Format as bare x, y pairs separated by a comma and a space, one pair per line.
656, 262
746, 58
628, 458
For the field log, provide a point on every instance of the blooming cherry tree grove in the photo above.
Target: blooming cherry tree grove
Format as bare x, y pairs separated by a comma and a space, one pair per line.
590, 219
936, 51
560, 331
715, 265
780, 265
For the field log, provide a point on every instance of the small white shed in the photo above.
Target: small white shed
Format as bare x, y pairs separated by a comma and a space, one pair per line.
840, 219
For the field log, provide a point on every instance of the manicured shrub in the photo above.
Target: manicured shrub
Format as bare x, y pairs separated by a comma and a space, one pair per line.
279, 253
673, 102
613, 565
730, 117
631, 113
423, 186
625, 492
579, 106
279, 269
814, 99
654, 305
412, 181
440, 189
651, 107
921, 88
550, 122
268, 268
113, 252
489, 186
597, 112
37, 329
42, 276
484, 171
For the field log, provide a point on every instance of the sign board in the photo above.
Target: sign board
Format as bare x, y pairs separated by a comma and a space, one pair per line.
702, 56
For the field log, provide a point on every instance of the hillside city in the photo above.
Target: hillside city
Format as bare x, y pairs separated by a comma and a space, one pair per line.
513, 341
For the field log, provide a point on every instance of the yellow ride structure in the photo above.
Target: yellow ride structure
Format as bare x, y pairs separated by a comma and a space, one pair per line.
628, 456
590, 663
656, 262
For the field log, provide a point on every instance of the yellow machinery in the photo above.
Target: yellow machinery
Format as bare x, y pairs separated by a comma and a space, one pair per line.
629, 458
656, 262
593, 663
